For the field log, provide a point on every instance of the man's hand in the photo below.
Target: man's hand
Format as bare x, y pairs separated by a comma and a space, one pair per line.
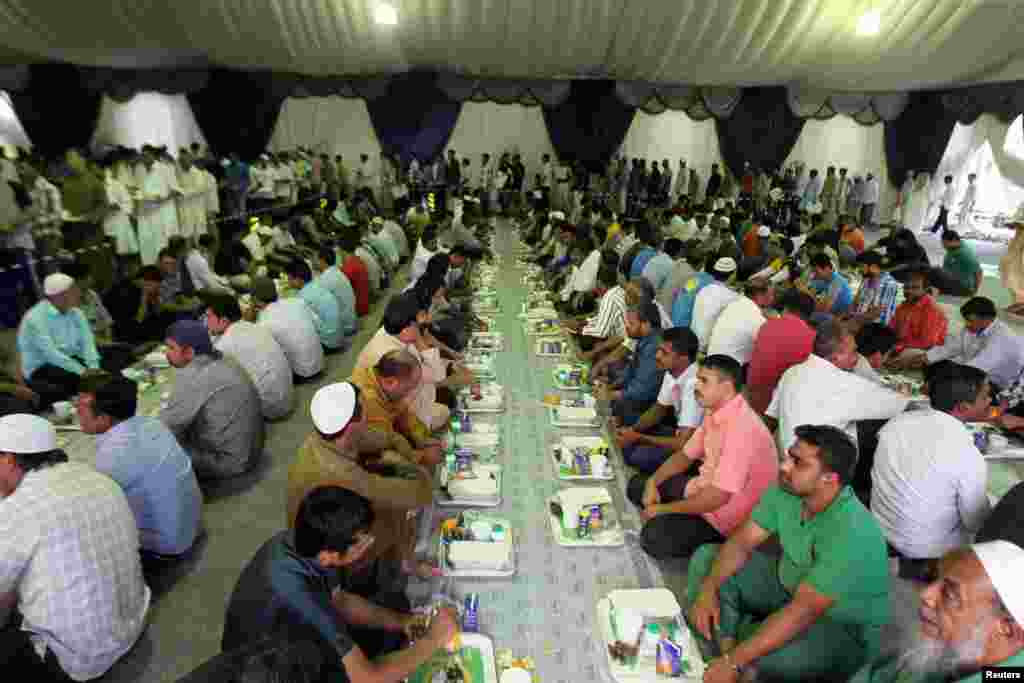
651, 511
652, 496
626, 437
706, 613
26, 394
720, 671
430, 454
443, 628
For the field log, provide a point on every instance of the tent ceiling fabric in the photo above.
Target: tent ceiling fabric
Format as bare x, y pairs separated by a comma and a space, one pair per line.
810, 43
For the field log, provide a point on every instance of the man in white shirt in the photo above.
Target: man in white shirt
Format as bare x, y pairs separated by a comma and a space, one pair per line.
985, 343
929, 479
870, 195
945, 205
199, 271
712, 300
293, 327
255, 350
824, 390
967, 203
736, 328
72, 597
649, 441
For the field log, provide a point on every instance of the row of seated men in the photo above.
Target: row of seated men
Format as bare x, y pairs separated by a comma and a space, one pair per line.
80, 542
714, 483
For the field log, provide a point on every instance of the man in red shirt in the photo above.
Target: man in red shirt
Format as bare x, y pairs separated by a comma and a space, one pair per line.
355, 270
919, 322
780, 344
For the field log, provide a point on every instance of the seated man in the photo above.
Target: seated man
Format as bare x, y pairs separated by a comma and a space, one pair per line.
825, 388
686, 297
985, 343
335, 281
214, 410
684, 511
780, 344
386, 390
141, 455
829, 288
606, 330
649, 441
875, 344
177, 294
970, 620
200, 272
55, 342
383, 244
54, 624
712, 300
736, 327
254, 348
295, 589
929, 480
876, 299
339, 452
642, 378
139, 316
292, 325
919, 323
323, 304
960, 274
816, 612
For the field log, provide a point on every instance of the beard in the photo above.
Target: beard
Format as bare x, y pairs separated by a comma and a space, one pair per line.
934, 656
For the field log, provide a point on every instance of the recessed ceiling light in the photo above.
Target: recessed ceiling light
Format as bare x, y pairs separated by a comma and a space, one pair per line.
870, 23
385, 14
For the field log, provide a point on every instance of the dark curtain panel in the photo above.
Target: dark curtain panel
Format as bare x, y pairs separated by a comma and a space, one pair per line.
237, 111
590, 125
762, 130
917, 139
1004, 100
414, 117
56, 109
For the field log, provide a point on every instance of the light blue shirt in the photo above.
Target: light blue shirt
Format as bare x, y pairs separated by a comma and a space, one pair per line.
388, 249
337, 283
48, 337
658, 270
328, 313
156, 475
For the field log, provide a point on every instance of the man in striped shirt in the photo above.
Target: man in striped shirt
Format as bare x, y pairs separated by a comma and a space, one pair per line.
607, 329
876, 298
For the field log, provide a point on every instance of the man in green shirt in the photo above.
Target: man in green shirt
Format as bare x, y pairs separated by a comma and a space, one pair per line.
814, 613
961, 273
970, 619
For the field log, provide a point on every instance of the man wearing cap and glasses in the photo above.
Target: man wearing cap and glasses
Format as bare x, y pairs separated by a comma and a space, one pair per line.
55, 341
214, 410
342, 453
712, 300
969, 622
72, 597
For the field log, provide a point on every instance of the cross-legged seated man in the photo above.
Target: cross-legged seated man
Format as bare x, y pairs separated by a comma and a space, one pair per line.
816, 612
649, 441
684, 511
642, 378
296, 588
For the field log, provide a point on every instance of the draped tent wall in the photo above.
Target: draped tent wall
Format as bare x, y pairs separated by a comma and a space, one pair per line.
590, 124
328, 125
414, 117
496, 128
842, 142
11, 130
237, 111
917, 139
56, 110
147, 118
673, 135
762, 129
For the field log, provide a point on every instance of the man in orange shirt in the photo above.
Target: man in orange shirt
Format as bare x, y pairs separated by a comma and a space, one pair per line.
853, 235
919, 322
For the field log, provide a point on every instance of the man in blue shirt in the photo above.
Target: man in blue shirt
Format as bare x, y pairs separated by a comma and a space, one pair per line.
297, 588
55, 342
829, 288
332, 279
682, 306
145, 459
646, 235
642, 378
323, 304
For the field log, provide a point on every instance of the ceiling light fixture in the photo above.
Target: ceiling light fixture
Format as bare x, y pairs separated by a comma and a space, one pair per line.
870, 23
385, 14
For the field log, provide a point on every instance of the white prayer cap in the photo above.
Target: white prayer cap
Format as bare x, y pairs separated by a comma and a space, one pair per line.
776, 194
1004, 562
764, 231
265, 230
725, 265
265, 157
1018, 217
332, 407
22, 433
57, 283
557, 215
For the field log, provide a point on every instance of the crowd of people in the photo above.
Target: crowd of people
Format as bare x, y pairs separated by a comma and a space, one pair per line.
737, 333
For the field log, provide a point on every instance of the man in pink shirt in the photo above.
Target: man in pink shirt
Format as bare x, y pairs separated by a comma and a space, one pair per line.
780, 344
683, 510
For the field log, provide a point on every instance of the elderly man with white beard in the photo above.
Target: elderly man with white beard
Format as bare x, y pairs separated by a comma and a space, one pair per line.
969, 622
